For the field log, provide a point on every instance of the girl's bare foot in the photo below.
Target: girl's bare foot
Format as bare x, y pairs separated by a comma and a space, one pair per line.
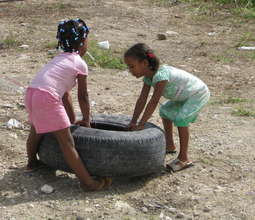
97, 185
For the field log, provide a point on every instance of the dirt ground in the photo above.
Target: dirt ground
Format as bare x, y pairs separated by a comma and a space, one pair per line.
219, 186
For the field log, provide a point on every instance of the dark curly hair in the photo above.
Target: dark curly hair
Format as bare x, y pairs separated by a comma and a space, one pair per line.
141, 52
71, 34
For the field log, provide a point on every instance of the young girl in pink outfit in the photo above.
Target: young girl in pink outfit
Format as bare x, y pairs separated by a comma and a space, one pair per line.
49, 104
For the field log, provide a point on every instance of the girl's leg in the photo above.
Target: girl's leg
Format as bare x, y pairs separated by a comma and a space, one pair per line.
184, 143
71, 156
168, 127
32, 148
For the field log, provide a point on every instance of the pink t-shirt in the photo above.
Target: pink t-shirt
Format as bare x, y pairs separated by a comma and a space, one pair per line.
59, 75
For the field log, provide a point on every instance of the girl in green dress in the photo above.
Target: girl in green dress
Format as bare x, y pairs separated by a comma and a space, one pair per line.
185, 93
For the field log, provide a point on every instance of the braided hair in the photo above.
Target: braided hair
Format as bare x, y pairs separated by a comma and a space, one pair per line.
141, 52
71, 34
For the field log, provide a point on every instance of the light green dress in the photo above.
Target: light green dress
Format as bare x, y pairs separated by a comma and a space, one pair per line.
186, 95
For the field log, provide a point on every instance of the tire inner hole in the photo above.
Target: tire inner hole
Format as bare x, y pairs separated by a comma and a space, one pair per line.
110, 127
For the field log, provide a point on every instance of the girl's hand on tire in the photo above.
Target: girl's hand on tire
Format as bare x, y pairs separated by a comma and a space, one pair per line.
83, 123
139, 127
132, 126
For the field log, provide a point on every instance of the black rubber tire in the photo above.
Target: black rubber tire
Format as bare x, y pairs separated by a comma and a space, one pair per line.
109, 149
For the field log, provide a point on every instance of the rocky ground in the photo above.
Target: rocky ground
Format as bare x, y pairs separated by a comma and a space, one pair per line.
199, 39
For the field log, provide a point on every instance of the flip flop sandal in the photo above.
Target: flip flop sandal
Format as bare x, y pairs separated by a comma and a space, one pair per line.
108, 182
39, 165
178, 165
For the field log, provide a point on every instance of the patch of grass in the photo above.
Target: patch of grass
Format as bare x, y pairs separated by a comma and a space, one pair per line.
163, 2
240, 8
51, 45
251, 55
10, 42
233, 100
57, 6
248, 13
247, 39
229, 100
243, 112
223, 58
103, 58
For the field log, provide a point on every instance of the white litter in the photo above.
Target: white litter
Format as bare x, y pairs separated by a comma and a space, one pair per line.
246, 48
13, 123
211, 33
93, 103
25, 46
104, 44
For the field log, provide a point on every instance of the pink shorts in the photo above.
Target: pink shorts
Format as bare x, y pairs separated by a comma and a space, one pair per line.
46, 113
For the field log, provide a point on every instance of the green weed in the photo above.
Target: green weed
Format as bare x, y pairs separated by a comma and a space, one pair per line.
223, 59
247, 39
50, 45
103, 58
161, 2
233, 100
243, 112
10, 42
251, 55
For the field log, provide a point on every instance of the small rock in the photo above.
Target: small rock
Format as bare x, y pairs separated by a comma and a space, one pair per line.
161, 36
124, 207
141, 35
13, 135
7, 106
144, 209
195, 214
171, 33
220, 152
206, 209
172, 210
124, 73
47, 189
88, 209
31, 206
180, 215
211, 33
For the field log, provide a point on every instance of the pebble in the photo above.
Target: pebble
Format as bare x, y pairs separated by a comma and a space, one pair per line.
171, 33
180, 215
172, 210
47, 189
196, 214
124, 207
7, 106
161, 36
31, 206
207, 209
144, 209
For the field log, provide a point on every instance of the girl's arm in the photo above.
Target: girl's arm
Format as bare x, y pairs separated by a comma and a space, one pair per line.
83, 99
140, 103
152, 104
68, 104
